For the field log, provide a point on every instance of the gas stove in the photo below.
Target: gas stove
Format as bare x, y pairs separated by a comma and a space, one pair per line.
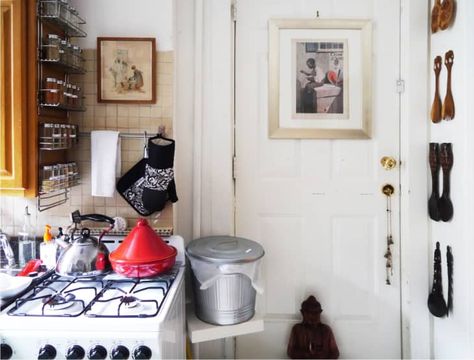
100, 317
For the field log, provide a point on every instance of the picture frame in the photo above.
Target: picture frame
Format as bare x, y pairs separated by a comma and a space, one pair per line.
320, 83
126, 70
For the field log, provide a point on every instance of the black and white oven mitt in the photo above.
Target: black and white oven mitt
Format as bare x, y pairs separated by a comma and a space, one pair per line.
149, 184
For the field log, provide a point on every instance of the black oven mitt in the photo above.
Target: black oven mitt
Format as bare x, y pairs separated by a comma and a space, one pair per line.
159, 186
149, 184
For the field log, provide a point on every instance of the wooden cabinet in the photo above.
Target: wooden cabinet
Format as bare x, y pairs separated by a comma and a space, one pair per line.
18, 120
23, 69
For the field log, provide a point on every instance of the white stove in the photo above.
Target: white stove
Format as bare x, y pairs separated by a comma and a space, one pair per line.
99, 318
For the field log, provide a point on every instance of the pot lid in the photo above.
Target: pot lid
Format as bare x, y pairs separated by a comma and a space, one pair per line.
225, 249
142, 245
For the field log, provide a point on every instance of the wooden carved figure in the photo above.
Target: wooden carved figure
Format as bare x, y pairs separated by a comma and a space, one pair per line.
312, 339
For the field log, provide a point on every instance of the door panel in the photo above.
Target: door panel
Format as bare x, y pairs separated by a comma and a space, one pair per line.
316, 205
12, 95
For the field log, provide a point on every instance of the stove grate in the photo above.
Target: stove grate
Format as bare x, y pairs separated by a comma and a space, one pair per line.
125, 299
53, 297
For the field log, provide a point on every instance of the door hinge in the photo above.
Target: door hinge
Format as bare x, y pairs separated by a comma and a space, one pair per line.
400, 86
233, 11
234, 167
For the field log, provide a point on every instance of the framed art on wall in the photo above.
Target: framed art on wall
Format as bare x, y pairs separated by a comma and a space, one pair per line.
320, 78
126, 70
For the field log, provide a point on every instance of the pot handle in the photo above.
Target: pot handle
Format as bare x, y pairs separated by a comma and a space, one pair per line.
98, 218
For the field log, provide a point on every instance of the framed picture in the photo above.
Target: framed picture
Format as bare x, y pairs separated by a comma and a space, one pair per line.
320, 84
126, 70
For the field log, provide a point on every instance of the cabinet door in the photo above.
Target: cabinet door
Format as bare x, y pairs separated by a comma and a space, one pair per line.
12, 95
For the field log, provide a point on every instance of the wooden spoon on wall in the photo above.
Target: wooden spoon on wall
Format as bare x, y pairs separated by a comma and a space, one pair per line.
435, 16
436, 107
446, 14
447, 111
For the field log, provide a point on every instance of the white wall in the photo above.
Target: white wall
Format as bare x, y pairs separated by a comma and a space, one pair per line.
138, 18
453, 335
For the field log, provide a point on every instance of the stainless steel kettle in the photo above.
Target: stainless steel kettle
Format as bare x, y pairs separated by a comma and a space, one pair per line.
86, 256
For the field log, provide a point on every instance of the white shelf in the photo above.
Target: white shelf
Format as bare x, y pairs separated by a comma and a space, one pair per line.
199, 331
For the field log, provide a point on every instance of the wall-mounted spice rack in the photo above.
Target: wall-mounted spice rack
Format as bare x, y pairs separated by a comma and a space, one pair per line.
58, 59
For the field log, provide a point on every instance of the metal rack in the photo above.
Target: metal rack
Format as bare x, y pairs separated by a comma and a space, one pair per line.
58, 14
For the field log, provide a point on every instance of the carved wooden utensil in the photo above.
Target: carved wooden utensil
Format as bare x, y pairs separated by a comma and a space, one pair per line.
436, 107
435, 166
449, 260
435, 16
446, 14
436, 303
445, 205
447, 111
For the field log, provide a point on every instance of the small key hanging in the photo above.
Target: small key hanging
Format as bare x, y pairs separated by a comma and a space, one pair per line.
388, 191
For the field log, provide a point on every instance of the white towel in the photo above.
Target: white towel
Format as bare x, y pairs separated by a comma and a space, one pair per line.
105, 162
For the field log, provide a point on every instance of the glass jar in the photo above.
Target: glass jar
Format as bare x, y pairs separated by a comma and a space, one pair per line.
73, 135
60, 86
62, 51
74, 97
51, 94
52, 48
63, 139
68, 95
64, 12
73, 20
69, 55
46, 137
56, 138
76, 51
47, 176
50, 8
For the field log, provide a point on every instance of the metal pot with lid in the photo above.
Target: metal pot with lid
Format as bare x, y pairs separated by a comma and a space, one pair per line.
225, 274
85, 256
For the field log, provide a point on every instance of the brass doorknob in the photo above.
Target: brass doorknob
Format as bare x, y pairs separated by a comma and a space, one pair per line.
388, 190
388, 162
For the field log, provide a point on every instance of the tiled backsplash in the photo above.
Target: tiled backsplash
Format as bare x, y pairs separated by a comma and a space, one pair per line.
124, 118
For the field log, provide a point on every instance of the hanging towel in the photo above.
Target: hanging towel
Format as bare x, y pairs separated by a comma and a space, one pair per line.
105, 162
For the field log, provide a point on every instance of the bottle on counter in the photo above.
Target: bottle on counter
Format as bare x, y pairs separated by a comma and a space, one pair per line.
26, 241
7, 258
48, 249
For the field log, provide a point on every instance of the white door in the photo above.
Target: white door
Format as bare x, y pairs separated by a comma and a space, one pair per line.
316, 205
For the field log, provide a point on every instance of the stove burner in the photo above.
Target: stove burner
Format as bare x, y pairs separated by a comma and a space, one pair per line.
130, 301
59, 301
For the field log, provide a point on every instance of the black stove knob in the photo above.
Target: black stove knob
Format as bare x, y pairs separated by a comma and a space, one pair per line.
120, 352
6, 351
47, 352
97, 352
75, 352
142, 352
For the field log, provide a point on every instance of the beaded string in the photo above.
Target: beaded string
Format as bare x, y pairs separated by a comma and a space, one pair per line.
388, 252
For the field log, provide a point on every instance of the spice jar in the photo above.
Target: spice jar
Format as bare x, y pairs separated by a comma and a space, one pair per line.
73, 17
62, 51
60, 86
47, 182
46, 140
64, 136
51, 96
52, 49
50, 8
76, 58
64, 12
74, 97
56, 136
68, 95
73, 134
69, 54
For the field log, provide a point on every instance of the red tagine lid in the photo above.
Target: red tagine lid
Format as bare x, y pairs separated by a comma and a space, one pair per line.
142, 245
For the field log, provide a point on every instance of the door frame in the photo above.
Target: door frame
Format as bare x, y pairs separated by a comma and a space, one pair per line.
213, 187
